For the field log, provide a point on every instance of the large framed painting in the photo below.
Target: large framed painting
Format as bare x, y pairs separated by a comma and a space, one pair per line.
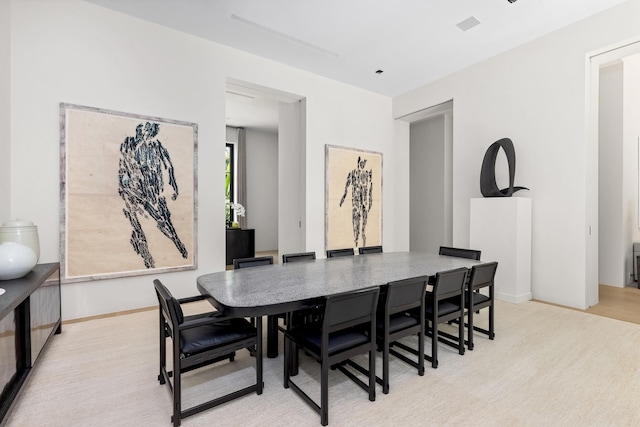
128, 194
353, 205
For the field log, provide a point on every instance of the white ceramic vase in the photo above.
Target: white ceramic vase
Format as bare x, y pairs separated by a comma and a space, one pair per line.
16, 260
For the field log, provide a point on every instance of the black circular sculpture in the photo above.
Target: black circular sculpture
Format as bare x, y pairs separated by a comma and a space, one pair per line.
488, 185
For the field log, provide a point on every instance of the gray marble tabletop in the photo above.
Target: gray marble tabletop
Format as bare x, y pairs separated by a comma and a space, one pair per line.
279, 288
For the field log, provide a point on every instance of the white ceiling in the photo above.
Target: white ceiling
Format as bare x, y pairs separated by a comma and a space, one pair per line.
414, 42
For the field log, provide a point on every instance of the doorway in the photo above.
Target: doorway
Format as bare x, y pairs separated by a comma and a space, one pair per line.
430, 177
271, 124
612, 196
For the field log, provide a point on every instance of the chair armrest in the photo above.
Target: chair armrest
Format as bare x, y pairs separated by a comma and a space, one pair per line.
209, 320
187, 300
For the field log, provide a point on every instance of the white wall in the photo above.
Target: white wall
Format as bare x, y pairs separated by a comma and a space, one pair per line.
291, 182
535, 95
396, 176
5, 110
369, 131
610, 209
262, 187
75, 52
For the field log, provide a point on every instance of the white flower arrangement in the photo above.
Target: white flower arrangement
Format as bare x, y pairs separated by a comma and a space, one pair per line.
238, 209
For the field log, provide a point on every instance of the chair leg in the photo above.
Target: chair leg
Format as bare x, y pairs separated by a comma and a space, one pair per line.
385, 364
421, 352
470, 329
163, 349
177, 388
287, 361
461, 334
372, 371
324, 393
491, 324
434, 344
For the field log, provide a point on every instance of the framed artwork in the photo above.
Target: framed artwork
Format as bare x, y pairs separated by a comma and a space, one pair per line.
353, 204
128, 194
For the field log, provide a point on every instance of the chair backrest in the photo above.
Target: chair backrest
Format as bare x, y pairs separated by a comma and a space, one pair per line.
252, 262
450, 283
168, 304
482, 275
301, 256
332, 253
370, 250
403, 295
460, 252
350, 309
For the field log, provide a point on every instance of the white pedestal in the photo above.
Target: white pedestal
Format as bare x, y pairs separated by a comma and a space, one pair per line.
501, 228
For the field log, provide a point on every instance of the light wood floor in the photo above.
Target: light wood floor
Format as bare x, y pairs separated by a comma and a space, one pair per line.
618, 303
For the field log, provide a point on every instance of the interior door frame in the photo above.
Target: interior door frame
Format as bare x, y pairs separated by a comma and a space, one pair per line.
593, 62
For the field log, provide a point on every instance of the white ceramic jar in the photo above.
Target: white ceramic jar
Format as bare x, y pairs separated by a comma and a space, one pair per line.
16, 260
23, 232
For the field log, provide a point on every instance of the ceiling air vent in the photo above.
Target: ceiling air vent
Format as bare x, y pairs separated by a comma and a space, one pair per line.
468, 23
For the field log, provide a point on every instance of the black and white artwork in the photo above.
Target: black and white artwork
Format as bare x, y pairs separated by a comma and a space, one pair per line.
360, 183
353, 198
128, 194
143, 164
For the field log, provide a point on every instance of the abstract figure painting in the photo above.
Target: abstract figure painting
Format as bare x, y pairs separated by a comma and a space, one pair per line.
353, 205
128, 194
143, 161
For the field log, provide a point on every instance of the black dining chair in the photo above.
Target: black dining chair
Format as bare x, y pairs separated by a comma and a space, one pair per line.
300, 256
445, 303
200, 340
272, 321
370, 250
309, 314
402, 315
252, 262
347, 329
482, 277
333, 253
460, 252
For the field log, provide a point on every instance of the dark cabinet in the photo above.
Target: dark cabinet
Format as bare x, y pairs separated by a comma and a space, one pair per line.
240, 244
29, 317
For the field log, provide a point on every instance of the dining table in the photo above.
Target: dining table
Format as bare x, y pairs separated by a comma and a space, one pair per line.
275, 289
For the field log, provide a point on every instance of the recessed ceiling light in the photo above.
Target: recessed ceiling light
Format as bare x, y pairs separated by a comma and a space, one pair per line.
512, 1
468, 23
379, 72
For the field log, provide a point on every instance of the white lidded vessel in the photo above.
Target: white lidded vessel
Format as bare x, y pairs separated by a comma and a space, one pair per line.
23, 232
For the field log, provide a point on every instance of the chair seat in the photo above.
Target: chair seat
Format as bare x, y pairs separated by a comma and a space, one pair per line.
444, 307
478, 298
397, 322
338, 341
206, 337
